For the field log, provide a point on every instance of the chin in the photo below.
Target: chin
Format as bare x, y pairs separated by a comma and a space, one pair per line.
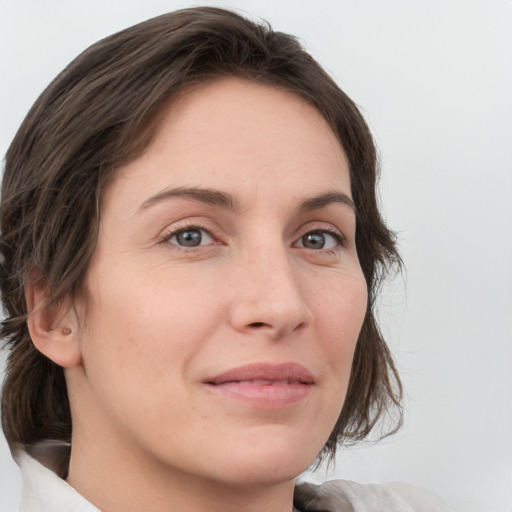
269, 461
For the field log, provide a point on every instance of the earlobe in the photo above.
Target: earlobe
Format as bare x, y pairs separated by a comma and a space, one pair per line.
53, 327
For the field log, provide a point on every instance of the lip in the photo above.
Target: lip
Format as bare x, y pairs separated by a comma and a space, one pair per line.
264, 385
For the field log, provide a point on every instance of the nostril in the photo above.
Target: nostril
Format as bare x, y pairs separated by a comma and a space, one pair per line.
257, 324
300, 326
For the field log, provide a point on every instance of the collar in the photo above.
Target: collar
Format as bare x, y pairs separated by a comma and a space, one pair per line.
43, 490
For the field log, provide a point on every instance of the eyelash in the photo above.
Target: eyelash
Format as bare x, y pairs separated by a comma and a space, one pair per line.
340, 239
168, 235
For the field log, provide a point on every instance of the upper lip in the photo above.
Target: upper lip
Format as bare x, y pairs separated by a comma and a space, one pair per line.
291, 372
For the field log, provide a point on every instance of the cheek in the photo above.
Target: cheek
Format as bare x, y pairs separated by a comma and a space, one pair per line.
339, 318
140, 302
341, 307
143, 332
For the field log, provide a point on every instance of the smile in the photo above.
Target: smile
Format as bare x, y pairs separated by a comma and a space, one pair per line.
266, 386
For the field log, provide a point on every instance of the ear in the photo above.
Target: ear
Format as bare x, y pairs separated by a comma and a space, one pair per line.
53, 327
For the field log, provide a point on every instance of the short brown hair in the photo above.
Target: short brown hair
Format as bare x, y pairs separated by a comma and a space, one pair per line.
99, 114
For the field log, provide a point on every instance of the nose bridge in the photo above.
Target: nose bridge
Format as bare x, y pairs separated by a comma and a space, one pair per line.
268, 294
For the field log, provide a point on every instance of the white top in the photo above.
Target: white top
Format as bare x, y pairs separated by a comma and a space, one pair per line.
45, 491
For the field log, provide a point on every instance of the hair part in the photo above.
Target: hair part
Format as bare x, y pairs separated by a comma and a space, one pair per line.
100, 113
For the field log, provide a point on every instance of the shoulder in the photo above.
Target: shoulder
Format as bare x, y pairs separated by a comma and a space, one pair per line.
348, 496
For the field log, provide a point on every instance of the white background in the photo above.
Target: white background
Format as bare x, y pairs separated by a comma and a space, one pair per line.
434, 80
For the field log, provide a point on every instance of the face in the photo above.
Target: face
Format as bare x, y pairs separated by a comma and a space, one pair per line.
225, 296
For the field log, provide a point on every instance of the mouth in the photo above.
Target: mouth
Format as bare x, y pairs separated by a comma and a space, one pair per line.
264, 385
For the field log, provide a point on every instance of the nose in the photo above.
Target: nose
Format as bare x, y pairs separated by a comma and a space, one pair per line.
268, 298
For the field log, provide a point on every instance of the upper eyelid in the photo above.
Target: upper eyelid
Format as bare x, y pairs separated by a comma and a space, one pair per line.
319, 226
185, 224
174, 232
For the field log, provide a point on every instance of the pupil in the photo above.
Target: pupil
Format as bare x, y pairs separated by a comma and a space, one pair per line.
190, 238
313, 240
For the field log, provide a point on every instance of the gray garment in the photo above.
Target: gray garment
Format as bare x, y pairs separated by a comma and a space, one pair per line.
45, 491
347, 496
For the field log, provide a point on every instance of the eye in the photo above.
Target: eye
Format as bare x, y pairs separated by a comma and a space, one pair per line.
190, 237
320, 240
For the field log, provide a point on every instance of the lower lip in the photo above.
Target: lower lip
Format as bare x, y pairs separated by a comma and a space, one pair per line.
265, 396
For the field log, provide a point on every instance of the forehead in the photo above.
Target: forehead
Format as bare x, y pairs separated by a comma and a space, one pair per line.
240, 136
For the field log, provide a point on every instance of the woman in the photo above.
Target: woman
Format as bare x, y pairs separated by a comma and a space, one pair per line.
191, 251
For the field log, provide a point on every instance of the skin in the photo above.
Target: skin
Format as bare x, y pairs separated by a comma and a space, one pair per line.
148, 433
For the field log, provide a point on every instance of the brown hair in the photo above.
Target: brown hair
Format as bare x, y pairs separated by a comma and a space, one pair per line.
99, 114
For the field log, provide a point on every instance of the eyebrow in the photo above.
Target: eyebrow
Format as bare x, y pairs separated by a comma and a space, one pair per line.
203, 195
323, 200
230, 202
